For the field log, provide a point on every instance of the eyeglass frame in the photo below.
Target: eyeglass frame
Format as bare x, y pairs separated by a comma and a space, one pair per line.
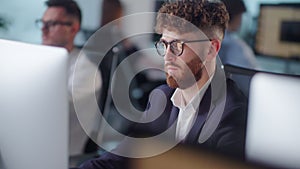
48, 24
182, 42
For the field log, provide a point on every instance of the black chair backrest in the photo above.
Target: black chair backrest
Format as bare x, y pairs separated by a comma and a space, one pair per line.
241, 76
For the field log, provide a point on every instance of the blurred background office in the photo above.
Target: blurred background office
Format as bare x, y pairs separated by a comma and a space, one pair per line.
234, 50
20, 26
269, 27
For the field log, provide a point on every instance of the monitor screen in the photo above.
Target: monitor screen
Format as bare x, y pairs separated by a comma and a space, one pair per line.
33, 106
289, 31
273, 135
278, 30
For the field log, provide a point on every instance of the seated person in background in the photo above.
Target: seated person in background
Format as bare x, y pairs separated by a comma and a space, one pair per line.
234, 50
112, 10
198, 106
60, 24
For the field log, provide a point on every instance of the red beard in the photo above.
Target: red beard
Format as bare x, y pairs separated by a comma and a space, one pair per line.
189, 79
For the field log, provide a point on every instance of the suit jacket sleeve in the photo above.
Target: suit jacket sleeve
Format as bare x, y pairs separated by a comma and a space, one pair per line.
229, 138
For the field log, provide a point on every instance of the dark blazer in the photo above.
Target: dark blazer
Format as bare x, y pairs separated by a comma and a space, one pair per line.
228, 137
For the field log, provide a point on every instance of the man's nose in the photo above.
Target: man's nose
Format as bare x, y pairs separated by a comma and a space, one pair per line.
45, 28
169, 55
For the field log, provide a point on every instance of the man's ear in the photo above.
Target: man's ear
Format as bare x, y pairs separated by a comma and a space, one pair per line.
214, 48
75, 27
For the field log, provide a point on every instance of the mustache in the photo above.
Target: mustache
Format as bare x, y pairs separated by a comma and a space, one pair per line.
172, 64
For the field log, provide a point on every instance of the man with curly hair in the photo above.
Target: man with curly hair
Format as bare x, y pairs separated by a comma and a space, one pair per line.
198, 107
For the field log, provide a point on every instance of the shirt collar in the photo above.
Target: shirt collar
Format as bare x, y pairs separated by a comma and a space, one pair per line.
178, 101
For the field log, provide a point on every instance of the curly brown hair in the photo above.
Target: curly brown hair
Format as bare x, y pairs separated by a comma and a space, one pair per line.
210, 16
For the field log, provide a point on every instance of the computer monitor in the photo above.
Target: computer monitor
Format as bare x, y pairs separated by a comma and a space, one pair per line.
33, 106
278, 30
273, 126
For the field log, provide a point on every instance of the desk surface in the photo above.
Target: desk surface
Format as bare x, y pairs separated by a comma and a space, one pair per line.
188, 158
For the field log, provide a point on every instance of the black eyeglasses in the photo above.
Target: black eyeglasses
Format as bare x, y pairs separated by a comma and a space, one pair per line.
47, 24
176, 46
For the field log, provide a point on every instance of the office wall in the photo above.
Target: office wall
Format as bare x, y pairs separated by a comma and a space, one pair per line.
139, 6
22, 15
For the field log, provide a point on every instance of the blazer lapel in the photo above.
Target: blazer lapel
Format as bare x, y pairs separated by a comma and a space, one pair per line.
173, 115
173, 120
203, 109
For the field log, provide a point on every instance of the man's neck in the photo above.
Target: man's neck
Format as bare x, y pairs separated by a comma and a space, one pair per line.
69, 47
190, 92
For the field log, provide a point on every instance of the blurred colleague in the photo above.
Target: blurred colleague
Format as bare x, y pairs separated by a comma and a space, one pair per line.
198, 106
234, 50
112, 12
60, 24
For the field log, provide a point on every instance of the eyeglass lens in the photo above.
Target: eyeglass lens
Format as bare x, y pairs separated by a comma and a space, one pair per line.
47, 24
176, 47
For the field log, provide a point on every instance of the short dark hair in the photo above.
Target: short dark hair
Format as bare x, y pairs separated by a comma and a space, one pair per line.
234, 7
70, 6
210, 16
111, 10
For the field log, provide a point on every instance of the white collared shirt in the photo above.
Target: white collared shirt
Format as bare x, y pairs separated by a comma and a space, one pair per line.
187, 112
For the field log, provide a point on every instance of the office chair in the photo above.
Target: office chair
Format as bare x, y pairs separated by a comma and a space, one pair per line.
241, 76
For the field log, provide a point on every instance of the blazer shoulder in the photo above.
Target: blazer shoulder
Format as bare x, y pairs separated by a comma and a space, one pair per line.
168, 91
234, 93
236, 102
